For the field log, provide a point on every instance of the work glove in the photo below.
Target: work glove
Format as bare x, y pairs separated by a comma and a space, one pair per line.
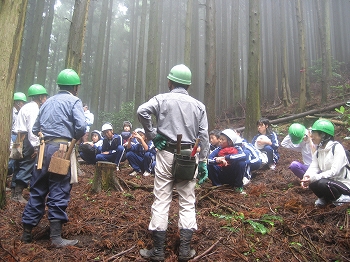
160, 141
202, 172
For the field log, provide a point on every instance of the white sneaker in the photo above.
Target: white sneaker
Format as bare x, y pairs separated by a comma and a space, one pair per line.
146, 173
246, 181
320, 202
341, 200
134, 173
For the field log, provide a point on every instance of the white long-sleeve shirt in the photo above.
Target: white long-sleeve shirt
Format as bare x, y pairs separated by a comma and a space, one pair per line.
305, 147
25, 120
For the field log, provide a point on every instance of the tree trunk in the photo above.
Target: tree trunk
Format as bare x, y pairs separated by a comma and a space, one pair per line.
210, 63
253, 94
188, 33
105, 60
97, 72
45, 43
151, 70
12, 16
302, 57
104, 178
140, 57
77, 35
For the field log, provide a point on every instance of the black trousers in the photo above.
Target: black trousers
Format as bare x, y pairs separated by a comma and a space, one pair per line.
329, 189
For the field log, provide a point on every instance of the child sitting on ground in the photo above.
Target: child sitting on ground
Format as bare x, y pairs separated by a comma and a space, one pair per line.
267, 142
299, 139
253, 158
226, 164
112, 147
142, 155
89, 150
127, 126
214, 136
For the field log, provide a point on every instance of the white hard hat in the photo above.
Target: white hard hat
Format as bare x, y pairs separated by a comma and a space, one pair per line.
261, 138
232, 135
140, 130
107, 126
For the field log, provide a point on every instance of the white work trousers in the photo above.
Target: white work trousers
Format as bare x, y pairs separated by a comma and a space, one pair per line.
164, 183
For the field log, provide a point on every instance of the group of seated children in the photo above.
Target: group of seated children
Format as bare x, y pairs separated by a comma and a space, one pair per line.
232, 158
111, 147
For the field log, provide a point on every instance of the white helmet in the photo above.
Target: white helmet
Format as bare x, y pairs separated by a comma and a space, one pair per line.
107, 126
140, 130
232, 135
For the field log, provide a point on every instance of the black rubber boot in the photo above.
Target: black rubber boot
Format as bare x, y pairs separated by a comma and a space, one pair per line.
55, 235
27, 233
157, 252
185, 251
18, 194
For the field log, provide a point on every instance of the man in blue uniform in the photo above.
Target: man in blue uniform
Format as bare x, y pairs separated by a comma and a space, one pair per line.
60, 120
176, 113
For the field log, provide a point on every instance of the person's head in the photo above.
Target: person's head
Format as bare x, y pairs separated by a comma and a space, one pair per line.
19, 99
322, 132
263, 125
296, 133
214, 136
179, 76
141, 132
127, 126
95, 136
107, 130
228, 138
68, 80
85, 107
37, 93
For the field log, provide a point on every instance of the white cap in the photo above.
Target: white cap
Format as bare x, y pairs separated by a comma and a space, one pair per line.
140, 130
107, 126
232, 135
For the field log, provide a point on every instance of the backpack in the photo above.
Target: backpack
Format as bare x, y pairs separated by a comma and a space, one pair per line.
347, 153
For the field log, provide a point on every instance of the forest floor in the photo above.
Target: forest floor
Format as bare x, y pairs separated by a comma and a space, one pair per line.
275, 221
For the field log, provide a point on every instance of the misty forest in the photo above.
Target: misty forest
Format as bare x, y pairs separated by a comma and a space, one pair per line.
280, 59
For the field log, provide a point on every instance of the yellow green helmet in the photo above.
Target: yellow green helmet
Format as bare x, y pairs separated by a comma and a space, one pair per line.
297, 133
68, 77
19, 96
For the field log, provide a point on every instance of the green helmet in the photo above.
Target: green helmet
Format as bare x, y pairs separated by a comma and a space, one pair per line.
19, 96
68, 77
36, 89
324, 125
296, 132
180, 74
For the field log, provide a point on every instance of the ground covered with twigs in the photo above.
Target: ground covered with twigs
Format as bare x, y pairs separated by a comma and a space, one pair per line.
275, 221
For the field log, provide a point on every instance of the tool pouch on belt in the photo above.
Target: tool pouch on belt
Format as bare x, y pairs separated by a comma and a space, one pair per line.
17, 147
60, 160
184, 167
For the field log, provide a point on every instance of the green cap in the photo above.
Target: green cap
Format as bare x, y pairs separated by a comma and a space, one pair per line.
68, 77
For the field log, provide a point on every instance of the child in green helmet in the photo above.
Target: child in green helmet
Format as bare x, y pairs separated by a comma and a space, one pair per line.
328, 176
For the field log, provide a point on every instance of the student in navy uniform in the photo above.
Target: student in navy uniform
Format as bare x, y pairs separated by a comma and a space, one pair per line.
214, 136
26, 117
60, 120
226, 164
89, 150
112, 146
267, 142
127, 126
141, 155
